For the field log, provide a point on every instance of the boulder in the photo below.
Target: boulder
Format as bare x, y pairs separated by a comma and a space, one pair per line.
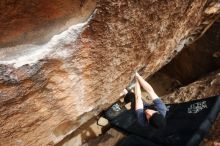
63, 62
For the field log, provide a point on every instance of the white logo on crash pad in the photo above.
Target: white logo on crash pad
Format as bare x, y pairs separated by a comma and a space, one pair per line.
197, 107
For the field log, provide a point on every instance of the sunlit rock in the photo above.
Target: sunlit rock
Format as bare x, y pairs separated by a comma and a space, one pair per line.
63, 62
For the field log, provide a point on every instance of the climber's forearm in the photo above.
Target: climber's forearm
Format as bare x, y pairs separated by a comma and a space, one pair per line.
147, 87
138, 100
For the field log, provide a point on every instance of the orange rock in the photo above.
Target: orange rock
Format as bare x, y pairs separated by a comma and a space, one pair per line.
47, 97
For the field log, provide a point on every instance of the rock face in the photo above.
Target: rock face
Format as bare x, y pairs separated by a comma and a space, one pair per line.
192, 63
111, 137
35, 21
51, 84
201, 57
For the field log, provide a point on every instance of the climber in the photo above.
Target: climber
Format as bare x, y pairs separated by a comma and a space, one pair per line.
146, 116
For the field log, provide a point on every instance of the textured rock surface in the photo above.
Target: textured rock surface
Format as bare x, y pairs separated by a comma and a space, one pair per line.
111, 137
193, 62
42, 102
205, 87
200, 58
35, 21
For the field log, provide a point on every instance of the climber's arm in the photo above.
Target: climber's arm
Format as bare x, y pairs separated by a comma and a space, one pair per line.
138, 100
147, 87
158, 103
139, 105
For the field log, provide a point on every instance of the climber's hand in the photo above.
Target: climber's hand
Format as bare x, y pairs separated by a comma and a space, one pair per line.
137, 75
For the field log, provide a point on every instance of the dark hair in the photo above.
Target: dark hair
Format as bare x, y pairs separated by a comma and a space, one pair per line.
157, 121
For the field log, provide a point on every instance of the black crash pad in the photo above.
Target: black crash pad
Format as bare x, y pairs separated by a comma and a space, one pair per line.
187, 124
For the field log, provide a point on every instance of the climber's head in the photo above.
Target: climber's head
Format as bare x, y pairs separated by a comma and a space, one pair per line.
155, 119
